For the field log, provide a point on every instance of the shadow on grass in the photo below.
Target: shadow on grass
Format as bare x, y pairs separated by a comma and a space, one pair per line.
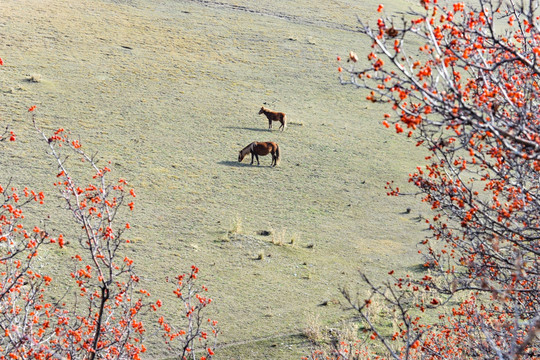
418, 268
240, 164
244, 164
285, 346
248, 128
233, 163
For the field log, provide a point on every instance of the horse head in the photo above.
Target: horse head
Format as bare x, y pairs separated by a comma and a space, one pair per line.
262, 110
240, 156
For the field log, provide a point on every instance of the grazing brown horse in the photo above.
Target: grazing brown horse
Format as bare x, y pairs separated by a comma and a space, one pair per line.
274, 116
261, 148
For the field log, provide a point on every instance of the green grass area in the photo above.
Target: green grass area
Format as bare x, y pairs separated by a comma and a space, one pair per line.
168, 92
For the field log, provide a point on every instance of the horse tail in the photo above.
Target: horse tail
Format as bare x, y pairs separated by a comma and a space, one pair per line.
278, 156
284, 121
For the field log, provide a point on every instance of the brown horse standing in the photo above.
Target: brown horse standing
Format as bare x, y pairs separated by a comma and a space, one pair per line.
261, 148
274, 116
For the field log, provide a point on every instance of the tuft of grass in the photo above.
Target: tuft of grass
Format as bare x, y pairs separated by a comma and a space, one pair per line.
278, 237
236, 226
379, 312
281, 238
35, 78
314, 331
349, 331
294, 238
223, 237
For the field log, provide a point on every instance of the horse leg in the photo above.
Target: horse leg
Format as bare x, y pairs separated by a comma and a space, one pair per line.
257, 157
269, 124
282, 127
273, 160
252, 156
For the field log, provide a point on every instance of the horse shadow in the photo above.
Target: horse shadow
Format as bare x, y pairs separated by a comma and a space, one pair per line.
247, 128
233, 163
239, 164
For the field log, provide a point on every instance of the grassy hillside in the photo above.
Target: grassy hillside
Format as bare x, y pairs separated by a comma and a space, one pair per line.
169, 91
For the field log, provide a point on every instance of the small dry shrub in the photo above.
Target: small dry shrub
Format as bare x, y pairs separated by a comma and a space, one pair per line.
281, 238
278, 237
34, 78
236, 226
314, 331
294, 239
